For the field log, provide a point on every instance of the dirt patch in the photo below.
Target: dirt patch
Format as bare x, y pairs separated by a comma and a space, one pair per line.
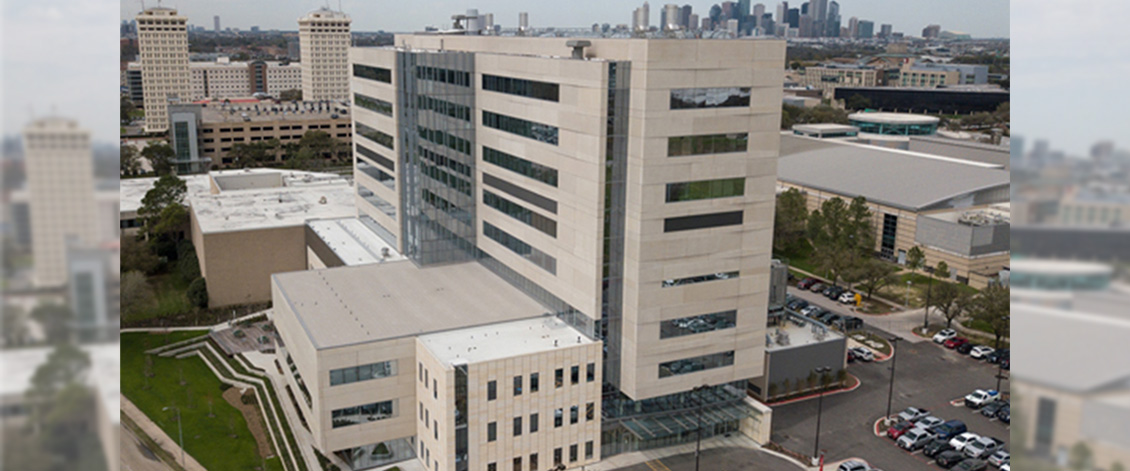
254, 420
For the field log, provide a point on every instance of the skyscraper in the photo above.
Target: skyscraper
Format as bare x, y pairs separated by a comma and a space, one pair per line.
216, 23
60, 180
931, 31
782, 13
671, 14
646, 16
866, 29
758, 12
832, 27
885, 31
162, 42
853, 27
324, 40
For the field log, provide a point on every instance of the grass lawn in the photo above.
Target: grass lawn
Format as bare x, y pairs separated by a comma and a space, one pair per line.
208, 439
169, 299
920, 284
800, 257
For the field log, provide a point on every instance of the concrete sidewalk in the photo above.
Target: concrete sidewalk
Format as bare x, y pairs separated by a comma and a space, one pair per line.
735, 440
149, 428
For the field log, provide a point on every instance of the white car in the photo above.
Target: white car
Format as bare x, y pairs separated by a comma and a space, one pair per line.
863, 353
928, 422
944, 335
1000, 458
980, 351
1006, 467
959, 442
912, 414
847, 298
807, 312
854, 465
981, 397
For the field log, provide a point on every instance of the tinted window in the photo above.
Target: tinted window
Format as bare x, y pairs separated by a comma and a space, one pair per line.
720, 97
528, 129
693, 364
521, 87
372, 73
705, 189
707, 144
702, 221
698, 324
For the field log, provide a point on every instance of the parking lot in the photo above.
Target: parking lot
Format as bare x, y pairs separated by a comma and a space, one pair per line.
927, 376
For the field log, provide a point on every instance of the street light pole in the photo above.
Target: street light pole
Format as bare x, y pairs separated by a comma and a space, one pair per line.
907, 294
926, 311
891, 389
1000, 372
820, 408
180, 435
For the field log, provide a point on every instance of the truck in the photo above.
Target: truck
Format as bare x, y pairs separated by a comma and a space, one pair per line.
981, 397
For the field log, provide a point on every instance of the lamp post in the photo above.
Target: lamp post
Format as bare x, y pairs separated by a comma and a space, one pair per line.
820, 408
891, 390
697, 391
180, 434
926, 311
908, 294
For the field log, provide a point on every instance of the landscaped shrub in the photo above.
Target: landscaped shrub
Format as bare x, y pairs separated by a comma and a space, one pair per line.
198, 293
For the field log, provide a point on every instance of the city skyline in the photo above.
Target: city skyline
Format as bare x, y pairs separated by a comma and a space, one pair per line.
283, 15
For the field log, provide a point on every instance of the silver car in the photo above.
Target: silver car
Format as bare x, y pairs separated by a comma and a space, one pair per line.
912, 414
928, 422
1000, 458
915, 438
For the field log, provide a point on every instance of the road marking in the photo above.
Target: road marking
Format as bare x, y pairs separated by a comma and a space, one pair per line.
958, 402
658, 466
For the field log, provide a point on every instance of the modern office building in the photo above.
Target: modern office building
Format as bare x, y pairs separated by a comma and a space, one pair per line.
223, 78
931, 74
894, 124
60, 183
133, 83
162, 40
609, 190
829, 77
324, 40
948, 100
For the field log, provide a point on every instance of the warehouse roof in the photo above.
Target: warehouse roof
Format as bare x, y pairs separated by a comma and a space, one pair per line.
901, 179
357, 304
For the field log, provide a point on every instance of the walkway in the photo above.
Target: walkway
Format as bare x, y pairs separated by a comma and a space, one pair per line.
149, 428
733, 450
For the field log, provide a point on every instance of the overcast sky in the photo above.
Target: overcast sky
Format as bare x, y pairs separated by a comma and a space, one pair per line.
983, 18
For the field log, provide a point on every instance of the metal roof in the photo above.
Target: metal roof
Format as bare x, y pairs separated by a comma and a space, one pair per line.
896, 178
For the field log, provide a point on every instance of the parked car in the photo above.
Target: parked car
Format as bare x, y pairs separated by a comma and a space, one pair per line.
809, 311
997, 355
990, 410
1005, 363
959, 442
950, 429
829, 290
833, 319
896, 430
854, 465
818, 287
1006, 467
980, 352
971, 465
864, 354
956, 342
947, 459
1000, 458
806, 283
982, 447
825, 316
964, 348
847, 297
944, 334
914, 438
797, 304
913, 414
928, 422
981, 397
851, 356
936, 447
1005, 415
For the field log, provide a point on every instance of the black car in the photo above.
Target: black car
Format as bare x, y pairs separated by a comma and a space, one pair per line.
947, 459
851, 323
965, 348
971, 465
997, 356
833, 319
825, 316
833, 292
1005, 414
797, 304
1005, 363
992, 408
936, 447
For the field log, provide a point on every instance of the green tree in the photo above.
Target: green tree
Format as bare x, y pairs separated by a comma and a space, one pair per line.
137, 257
991, 307
135, 292
841, 235
942, 270
945, 299
198, 293
857, 102
127, 110
162, 209
65, 365
160, 156
55, 319
323, 146
293, 94
129, 160
789, 220
874, 275
915, 259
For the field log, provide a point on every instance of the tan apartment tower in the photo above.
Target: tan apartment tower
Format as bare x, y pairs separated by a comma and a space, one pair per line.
60, 179
323, 38
162, 40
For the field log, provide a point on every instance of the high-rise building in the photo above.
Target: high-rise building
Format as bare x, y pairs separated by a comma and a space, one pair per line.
645, 16
885, 31
758, 13
866, 29
794, 18
478, 172
671, 14
60, 180
931, 31
324, 41
162, 42
853, 27
685, 17
832, 27
729, 10
782, 13
216, 23
692, 23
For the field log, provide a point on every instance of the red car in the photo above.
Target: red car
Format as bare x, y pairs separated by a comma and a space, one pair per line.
956, 342
806, 283
898, 429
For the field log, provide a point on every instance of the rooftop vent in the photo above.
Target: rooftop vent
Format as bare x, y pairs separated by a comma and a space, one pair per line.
578, 46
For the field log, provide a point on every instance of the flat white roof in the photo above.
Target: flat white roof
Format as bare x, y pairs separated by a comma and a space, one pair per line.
1059, 267
352, 305
353, 242
499, 341
793, 335
893, 118
818, 127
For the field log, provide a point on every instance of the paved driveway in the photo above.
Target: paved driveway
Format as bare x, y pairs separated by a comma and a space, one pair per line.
717, 459
897, 323
927, 376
